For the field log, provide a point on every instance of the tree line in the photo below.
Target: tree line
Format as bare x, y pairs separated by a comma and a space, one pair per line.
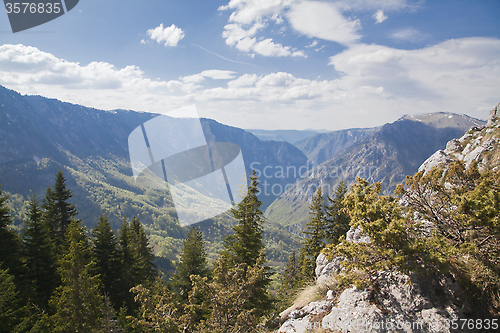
57, 276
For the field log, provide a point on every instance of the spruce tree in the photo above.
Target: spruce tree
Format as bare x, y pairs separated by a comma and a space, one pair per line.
39, 255
193, 261
58, 210
313, 243
136, 261
245, 246
10, 243
106, 256
126, 266
77, 302
9, 302
291, 276
337, 219
230, 296
143, 266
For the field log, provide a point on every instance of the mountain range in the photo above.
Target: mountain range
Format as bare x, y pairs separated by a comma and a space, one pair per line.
384, 154
39, 135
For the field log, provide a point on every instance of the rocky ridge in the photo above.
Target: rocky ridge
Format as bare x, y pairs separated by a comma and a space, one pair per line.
398, 302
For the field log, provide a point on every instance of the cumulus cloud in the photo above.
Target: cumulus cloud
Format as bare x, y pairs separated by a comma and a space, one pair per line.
323, 20
250, 17
376, 84
379, 16
215, 74
457, 72
168, 36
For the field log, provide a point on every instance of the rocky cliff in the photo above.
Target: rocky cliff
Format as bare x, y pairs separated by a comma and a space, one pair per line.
386, 154
397, 302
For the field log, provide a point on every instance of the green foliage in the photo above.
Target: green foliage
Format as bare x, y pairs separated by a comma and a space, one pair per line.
136, 261
106, 255
291, 280
395, 239
9, 304
336, 219
313, 242
464, 206
58, 211
157, 311
40, 257
231, 296
77, 302
245, 245
10, 244
193, 261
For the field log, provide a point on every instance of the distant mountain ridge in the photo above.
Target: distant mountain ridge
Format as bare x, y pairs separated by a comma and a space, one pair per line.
385, 154
290, 136
38, 135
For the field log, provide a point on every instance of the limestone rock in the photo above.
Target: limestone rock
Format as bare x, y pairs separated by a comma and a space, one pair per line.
357, 236
436, 159
325, 268
396, 303
494, 115
453, 146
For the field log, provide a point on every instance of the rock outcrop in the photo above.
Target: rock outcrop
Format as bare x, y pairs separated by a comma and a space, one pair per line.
479, 144
397, 302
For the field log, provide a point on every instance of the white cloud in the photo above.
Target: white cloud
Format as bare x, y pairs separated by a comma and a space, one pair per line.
388, 5
408, 34
323, 20
245, 80
456, 75
313, 44
268, 48
247, 12
215, 74
379, 16
377, 84
250, 17
169, 36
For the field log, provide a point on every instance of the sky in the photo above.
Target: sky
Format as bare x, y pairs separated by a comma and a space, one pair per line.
265, 64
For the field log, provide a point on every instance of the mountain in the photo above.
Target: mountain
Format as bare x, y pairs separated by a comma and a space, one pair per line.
290, 136
395, 298
39, 135
323, 147
386, 154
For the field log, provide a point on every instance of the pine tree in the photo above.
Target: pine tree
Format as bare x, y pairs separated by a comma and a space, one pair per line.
291, 276
10, 243
40, 256
245, 246
313, 243
143, 267
58, 210
126, 282
136, 261
9, 302
337, 219
77, 302
230, 296
106, 256
193, 261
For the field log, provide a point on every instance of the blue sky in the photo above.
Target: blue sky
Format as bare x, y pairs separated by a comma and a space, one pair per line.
275, 64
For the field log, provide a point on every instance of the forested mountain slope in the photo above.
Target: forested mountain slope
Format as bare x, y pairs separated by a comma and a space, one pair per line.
40, 135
